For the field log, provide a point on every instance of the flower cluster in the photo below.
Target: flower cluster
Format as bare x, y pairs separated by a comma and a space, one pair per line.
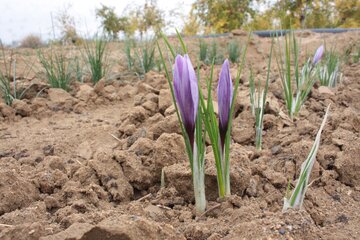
186, 92
198, 120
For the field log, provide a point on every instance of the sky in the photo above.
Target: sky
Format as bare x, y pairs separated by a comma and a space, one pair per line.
20, 18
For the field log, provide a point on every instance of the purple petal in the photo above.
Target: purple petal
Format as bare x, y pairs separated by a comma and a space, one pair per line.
193, 85
186, 93
318, 54
224, 91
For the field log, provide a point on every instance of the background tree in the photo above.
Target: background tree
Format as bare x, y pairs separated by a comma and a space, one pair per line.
218, 16
147, 17
309, 14
222, 15
305, 13
348, 13
192, 25
111, 23
65, 23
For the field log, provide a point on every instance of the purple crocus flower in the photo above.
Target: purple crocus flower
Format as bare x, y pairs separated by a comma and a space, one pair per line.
186, 93
318, 54
224, 92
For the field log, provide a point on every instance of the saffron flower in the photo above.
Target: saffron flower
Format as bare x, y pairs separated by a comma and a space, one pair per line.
224, 92
318, 55
186, 94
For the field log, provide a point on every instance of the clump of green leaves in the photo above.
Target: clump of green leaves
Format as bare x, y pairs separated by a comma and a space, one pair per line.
5, 86
214, 54
234, 51
141, 56
78, 71
351, 53
159, 65
258, 102
96, 57
129, 45
329, 72
5, 89
210, 53
296, 198
286, 55
57, 68
145, 57
356, 56
203, 47
10, 91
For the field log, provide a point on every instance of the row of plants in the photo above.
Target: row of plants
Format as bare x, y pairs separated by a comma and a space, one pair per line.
211, 52
198, 120
60, 70
95, 54
9, 89
141, 58
61, 67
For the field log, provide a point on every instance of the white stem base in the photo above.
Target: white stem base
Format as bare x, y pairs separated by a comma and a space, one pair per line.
199, 192
199, 184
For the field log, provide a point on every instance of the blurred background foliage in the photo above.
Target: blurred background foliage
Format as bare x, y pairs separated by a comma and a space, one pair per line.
220, 16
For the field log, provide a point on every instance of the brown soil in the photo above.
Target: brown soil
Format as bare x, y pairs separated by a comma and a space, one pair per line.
87, 164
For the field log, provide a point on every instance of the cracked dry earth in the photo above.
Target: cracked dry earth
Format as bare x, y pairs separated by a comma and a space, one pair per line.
87, 164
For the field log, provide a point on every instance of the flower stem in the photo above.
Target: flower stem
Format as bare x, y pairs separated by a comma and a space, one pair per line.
199, 191
227, 183
198, 182
258, 138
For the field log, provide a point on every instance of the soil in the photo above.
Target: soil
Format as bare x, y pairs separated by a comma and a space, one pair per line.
87, 164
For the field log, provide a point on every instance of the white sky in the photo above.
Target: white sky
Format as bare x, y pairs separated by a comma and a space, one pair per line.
18, 18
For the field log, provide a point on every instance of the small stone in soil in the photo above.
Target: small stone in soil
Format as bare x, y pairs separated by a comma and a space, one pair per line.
282, 231
343, 218
336, 197
48, 150
275, 149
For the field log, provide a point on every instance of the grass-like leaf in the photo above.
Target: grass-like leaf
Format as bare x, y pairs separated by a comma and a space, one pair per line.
9, 91
287, 60
145, 56
96, 56
234, 51
128, 46
57, 68
296, 198
5, 89
203, 50
329, 72
258, 101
